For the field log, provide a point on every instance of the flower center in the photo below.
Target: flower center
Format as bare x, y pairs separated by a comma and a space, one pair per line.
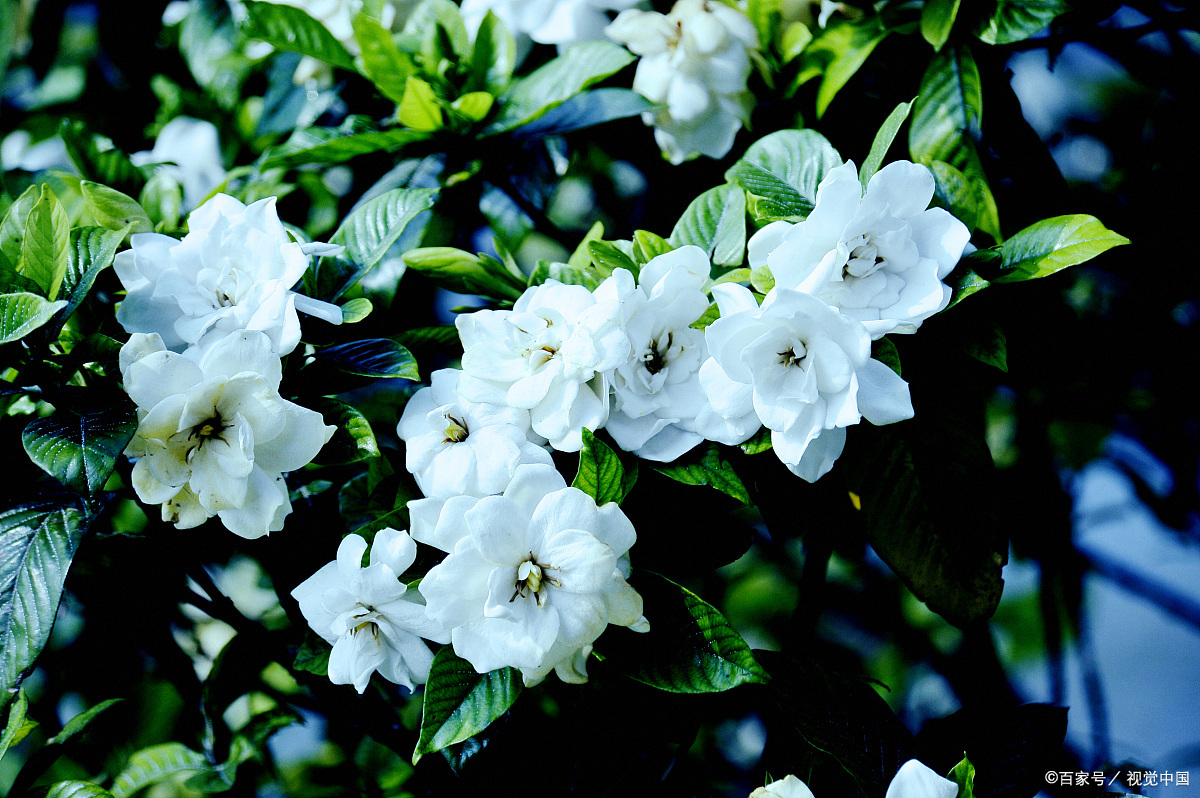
456, 430
532, 576
793, 356
208, 429
655, 357
368, 623
864, 259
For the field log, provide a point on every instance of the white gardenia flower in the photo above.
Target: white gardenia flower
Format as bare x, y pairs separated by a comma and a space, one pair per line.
695, 61
916, 780
372, 620
214, 436
879, 257
233, 271
558, 22
532, 577
787, 787
804, 369
547, 355
190, 152
455, 447
656, 392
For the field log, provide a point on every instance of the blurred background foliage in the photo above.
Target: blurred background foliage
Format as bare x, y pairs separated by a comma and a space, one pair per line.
1092, 430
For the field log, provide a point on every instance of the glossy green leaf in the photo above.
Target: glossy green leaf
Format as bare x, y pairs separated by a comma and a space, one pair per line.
590, 108
608, 257
474, 105
493, 57
313, 655
466, 273
22, 313
162, 199
369, 231
580, 66
210, 41
882, 143
757, 443
716, 222
1017, 20
1052, 245
647, 246
710, 469
290, 28
838, 52
356, 310
690, 648
946, 116
601, 473
439, 26
18, 725
367, 509
781, 172
937, 18
460, 703
588, 276
91, 251
419, 107
77, 789
964, 776
12, 229
44, 247
155, 764
386, 66
80, 451
955, 193
376, 358
114, 210
445, 335
353, 441
38, 539
330, 145
98, 160
964, 282
81, 721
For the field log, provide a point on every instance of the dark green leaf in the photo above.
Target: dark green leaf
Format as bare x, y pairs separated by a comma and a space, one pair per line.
98, 160
885, 352
710, 470
80, 451
210, 42
1017, 20
154, 764
601, 474
586, 110
44, 248
839, 52
366, 510
781, 172
18, 726
460, 703
963, 282
955, 193
386, 66
290, 28
547, 87
353, 440
114, 210
369, 231
377, 358
37, 542
91, 251
937, 18
716, 222
21, 314
990, 347
330, 145
1052, 245
690, 648
81, 721
946, 116
313, 655
882, 143
445, 335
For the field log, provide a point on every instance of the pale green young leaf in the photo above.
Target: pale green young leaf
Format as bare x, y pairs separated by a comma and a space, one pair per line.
882, 143
460, 703
647, 246
937, 18
581, 257
12, 229
608, 257
356, 310
80, 451
474, 105
44, 248
114, 210
386, 66
162, 199
1052, 245
465, 273
419, 107
964, 776
1017, 20
601, 474
781, 172
293, 29
22, 313
716, 222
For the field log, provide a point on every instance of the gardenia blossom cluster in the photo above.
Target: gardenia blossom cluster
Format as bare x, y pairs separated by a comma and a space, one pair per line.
210, 317
913, 780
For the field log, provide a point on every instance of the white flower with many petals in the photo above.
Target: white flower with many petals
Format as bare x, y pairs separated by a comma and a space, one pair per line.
214, 437
558, 22
879, 257
803, 368
372, 620
547, 355
532, 577
233, 271
656, 393
695, 61
455, 447
189, 151
916, 780
787, 787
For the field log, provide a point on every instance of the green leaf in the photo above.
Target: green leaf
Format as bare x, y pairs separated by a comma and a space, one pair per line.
493, 57
466, 273
781, 172
710, 470
607, 257
474, 105
12, 229
716, 222
80, 451
162, 199
313, 654
647, 246
419, 108
44, 248
601, 474
1052, 245
882, 143
937, 18
330, 145
377, 358
946, 118
210, 43
964, 776
839, 52
991, 347
18, 726
445, 335
963, 282
155, 764
353, 440
91, 251
369, 231
37, 542
81, 721
22, 313
588, 276
289, 28
460, 703
97, 159
356, 310
77, 789
439, 26
757, 443
114, 210
386, 66
580, 66
1017, 20
955, 193
690, 648
367, 509
591, 108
